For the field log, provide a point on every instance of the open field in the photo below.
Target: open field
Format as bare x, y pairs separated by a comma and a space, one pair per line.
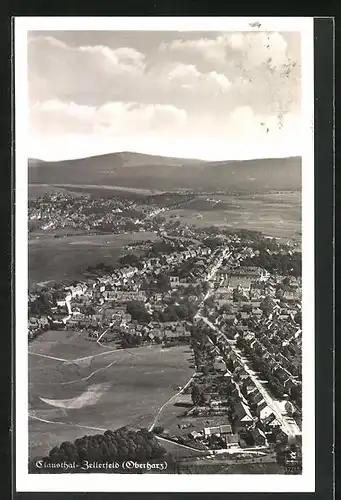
37, 190
93, 189
203, 466
274, 214
68, 257
106, 390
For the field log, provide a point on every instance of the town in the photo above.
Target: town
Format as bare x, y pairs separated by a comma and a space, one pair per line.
233, 296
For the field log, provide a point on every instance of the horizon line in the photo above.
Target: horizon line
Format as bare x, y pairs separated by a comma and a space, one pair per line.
163, 156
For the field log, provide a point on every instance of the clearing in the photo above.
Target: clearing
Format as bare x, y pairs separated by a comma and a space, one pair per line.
106, 390
69, 256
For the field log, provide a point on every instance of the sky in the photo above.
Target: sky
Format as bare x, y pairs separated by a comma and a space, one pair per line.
208, 95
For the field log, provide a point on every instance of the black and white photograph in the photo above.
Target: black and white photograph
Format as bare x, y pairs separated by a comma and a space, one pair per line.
164, 180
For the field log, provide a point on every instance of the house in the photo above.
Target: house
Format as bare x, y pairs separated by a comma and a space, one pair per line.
256, 397
195, 435
231, 440
241, 328
244, 315
225, 429
274, 424
289, 408
250, 390
257, 312
263, 410
211, 431
174, 281
289, 296
289, 384
268, 420
219, 365
281, 437
44, 322
34, 322
249, 336
242, 413
220, 430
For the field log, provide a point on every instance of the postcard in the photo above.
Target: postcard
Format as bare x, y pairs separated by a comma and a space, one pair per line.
164, 254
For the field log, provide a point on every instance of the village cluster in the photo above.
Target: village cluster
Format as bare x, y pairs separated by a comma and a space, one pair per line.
242, 322
63, 211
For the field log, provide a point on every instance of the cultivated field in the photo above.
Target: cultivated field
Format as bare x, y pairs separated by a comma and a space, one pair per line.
89, 389
68, 257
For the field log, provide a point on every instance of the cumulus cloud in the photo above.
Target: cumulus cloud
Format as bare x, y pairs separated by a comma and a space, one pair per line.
202, 96
69, 71
259, 69
256, 47
188, 76
120, 118
122, 59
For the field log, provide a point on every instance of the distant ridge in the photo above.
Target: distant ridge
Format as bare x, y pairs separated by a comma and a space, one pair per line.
124, 158
136, 170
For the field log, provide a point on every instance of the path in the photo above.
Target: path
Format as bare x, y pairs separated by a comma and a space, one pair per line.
48, 357
168, 401
257, 450
91, 356
102, 334
33, 417
183, 445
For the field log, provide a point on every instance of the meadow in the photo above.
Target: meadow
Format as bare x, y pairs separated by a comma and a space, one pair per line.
68, 257
274, 214
89, 389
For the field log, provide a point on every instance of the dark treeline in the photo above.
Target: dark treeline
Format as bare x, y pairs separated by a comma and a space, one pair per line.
289, 264
120, 445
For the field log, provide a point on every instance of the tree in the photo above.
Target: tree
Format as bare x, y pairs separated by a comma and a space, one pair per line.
158, 429
205, 370
129, 260
237, 295
210, 302
163, 283
196, 394
266, 305
298, 318
138, 311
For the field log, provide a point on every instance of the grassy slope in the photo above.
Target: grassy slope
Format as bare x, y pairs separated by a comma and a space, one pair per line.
140, 382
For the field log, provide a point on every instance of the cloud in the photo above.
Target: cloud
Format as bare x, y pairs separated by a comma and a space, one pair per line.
221, 80
119, 61
259, 69
188, 76
66, 71
113, 118
261, 58
96, 74
210, 48
204, 96
255, 47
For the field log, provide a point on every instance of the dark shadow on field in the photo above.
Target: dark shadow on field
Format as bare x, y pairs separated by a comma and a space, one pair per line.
183, 405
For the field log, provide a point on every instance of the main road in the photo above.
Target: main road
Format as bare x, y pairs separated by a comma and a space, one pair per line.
225, 254
288, 424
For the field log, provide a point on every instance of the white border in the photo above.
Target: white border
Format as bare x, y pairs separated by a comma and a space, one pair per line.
163, 483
